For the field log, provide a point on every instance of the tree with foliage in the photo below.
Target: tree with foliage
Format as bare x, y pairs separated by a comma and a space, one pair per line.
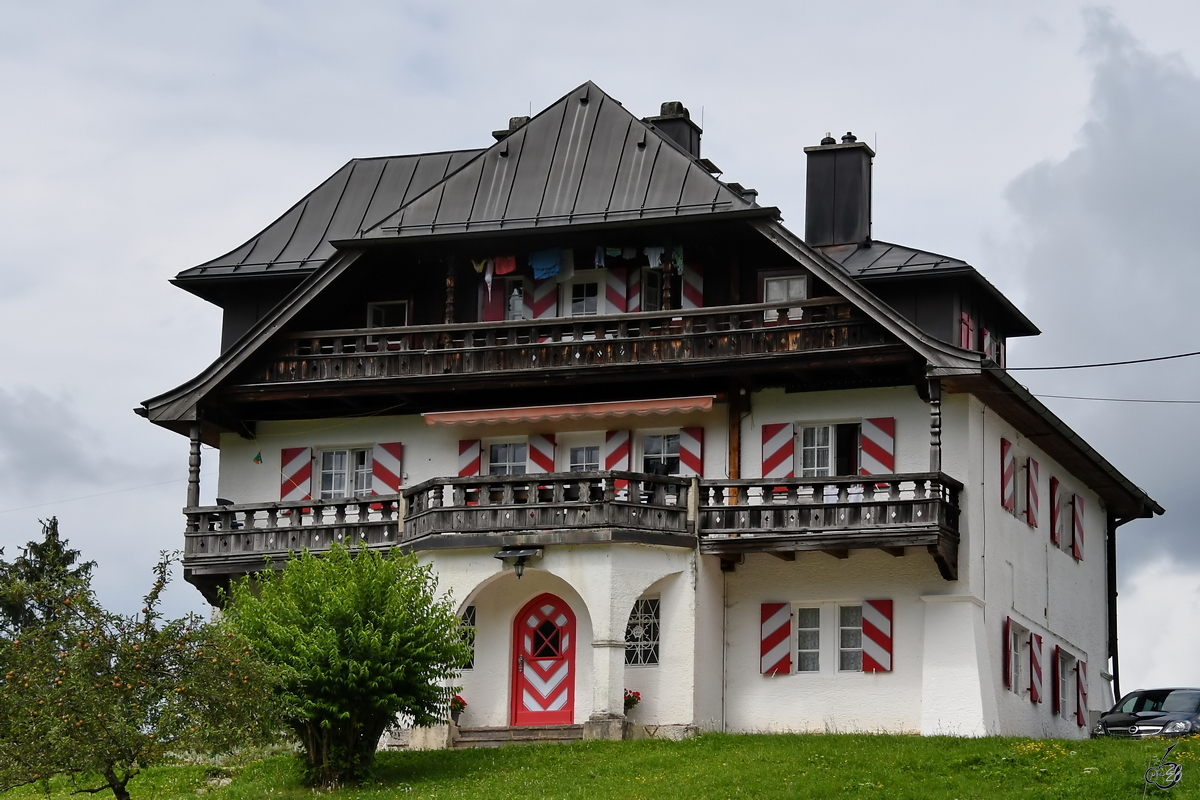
33, 586
97, 696
361, 637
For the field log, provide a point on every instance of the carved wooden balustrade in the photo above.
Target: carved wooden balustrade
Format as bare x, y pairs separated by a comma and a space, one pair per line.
660, 337
554, 504
231, 536
834, 515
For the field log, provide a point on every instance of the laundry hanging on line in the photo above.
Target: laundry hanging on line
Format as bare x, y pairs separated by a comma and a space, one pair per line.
505, 264
654, 254
545, 263
480, 265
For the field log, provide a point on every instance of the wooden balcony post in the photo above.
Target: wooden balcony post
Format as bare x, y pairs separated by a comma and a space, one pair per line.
450, 290
935, 425
193, 490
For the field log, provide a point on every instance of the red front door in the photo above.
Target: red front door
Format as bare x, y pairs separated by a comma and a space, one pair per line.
544, 663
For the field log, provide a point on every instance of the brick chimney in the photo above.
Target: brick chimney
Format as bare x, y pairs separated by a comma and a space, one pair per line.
838, 198
676, 122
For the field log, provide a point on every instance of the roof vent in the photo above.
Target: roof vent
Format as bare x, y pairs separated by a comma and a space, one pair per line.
828, 139
514, 123
675, 122
849, 138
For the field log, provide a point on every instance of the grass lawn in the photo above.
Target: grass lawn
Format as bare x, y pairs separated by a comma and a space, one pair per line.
714, 766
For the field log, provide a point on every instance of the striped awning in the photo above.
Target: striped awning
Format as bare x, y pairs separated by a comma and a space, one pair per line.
624, 408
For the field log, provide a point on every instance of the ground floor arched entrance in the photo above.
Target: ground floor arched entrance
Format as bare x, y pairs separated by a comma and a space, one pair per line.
543, 669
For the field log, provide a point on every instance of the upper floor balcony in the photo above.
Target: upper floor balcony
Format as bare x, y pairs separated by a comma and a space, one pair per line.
726, 518
723, 340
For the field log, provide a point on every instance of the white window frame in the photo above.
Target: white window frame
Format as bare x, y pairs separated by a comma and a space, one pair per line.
571, 461
841, 647
1067, 696
664, 434
383, 306
831, 432
652, 285
356, 476
521, 309
796, 609
523, 463
1018, 656
645, 648
789, 280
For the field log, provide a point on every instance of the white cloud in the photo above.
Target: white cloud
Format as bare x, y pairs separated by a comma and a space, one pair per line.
1159, 605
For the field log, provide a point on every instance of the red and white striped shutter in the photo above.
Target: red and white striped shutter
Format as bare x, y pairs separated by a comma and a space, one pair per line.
295, 474
1035, 668
966, 331
1055, 678
775, 653
1056, 516
470, 458
617, 452
1077, 538
693, 286
615, 288
1008, 476
878, 445
541, 452
1007, 650
543, 304
1081, 693
633, 296
877, 636
1031, 494
691, 452
386, 473
778, 450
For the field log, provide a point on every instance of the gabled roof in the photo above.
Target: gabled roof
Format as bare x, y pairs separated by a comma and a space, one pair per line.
584, 159
884, 261
352, 200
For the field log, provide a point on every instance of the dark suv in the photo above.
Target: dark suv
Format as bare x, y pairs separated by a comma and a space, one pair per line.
1152, 712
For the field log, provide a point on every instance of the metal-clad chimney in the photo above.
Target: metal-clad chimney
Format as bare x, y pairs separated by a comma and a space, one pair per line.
676, 122
838, 198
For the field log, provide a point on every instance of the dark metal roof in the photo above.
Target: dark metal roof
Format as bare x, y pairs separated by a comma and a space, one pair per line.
352, 200
881, 261
584, 159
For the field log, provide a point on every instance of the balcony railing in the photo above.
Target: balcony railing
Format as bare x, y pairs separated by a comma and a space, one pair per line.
660, 337
721, 517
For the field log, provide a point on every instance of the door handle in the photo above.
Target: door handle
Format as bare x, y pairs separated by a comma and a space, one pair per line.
521, 665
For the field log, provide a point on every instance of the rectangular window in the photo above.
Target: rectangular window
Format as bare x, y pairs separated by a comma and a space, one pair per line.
791, 287
508, 458
514, 299
387, 315
1066, 667
467, 634
585, 459
642, 632
808, 639
827, 450
345, 473
584, 297
660, 454
1017, 638
651, 290
850, 638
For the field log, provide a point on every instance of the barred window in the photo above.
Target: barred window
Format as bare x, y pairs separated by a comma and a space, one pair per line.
467, 634
641, 635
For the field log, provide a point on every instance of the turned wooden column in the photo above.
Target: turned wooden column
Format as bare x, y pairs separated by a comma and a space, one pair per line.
193, 491
450, 290
935, 425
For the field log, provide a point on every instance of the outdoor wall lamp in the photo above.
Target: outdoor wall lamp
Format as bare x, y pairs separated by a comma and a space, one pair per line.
519, 556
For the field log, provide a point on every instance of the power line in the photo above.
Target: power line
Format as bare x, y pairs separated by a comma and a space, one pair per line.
90, 496
1120, 399
1103, 364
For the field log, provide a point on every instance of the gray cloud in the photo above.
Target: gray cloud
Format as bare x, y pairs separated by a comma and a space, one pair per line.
1111, 269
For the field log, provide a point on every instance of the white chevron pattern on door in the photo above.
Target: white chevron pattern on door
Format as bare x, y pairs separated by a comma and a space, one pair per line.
544, 663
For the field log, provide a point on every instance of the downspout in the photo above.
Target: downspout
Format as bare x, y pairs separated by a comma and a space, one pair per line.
1111, 581
724, 643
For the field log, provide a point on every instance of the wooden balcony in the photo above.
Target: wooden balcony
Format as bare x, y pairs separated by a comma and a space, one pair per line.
834, 515
722, 337
727, 518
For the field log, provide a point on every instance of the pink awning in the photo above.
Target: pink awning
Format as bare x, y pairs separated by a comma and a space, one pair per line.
627, 408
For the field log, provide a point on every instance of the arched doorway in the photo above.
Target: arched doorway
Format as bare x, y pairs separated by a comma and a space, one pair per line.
543, 667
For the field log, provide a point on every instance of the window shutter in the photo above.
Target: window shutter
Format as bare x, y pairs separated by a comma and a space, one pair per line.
1035, 668
469, 458
545, 299
1031, 494
1007, 650
541, 452
1055, 512
1008, 476
966, 331
295, 474
776, 644
693, 286
386, 460
616, 286
778, 450
633, 295
1055, 677
1081, 693
877, 635
495, 302
878, 445
691, 452
1077, 538
617, 454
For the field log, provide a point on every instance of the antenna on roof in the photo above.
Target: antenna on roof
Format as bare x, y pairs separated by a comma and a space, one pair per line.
701, 116
876, 147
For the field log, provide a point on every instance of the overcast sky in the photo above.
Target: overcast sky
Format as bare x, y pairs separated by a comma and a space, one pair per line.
1051, 144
